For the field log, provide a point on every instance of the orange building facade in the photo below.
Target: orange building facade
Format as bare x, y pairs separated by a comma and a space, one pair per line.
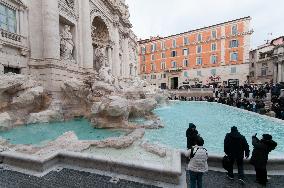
214, 54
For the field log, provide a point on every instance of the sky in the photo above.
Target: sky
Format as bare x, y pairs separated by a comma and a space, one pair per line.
167, 17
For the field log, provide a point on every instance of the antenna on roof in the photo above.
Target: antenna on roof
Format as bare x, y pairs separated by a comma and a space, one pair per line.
269, 37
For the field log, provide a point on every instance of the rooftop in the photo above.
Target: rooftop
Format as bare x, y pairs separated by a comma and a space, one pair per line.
190, 31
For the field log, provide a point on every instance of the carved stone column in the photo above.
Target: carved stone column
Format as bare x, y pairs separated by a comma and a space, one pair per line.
109, 53
87, 46
116, 59
50, 27
275, 76
280, 71
125, 63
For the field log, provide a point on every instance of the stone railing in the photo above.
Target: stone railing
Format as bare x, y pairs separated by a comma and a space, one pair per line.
13, 38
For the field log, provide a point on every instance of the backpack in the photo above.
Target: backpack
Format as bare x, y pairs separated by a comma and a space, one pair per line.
191, 155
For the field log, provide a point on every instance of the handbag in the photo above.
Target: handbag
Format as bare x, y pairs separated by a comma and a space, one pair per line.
226, 162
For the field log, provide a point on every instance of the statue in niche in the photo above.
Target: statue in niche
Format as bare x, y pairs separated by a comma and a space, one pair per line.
70, 3
102, 65
66, 44
100, 58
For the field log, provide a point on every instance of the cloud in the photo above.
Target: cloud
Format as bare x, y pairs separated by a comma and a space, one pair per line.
167, 17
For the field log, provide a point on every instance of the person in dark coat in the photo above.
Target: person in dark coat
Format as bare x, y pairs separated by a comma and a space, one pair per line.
191, 135
261, 149
235, 147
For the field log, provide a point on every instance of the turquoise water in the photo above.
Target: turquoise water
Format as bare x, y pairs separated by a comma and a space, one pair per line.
213, 121
40, 134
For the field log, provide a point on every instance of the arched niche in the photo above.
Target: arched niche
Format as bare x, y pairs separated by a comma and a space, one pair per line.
100, 41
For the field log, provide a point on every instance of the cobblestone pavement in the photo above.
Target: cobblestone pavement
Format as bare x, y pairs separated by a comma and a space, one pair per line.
219, 180
68, 178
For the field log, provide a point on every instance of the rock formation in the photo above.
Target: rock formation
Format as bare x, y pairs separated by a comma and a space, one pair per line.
20, 96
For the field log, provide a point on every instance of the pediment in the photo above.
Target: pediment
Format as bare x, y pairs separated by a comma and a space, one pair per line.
19, 3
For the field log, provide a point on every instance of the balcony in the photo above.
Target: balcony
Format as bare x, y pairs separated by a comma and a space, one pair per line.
12, 39
176, 69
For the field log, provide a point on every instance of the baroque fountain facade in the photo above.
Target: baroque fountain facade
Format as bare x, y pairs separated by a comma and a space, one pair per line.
76, 58
70, 59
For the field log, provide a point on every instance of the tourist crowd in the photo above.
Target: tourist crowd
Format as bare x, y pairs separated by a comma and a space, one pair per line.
248, 97
236, 149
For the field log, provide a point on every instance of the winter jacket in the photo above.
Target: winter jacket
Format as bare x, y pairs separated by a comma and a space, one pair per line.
260, 152
192, 136
199, 162
235, 145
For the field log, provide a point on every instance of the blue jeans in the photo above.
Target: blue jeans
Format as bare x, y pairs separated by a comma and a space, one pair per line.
195, 178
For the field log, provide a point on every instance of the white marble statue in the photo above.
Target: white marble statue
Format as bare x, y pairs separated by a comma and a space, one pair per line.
66, 44
106, 76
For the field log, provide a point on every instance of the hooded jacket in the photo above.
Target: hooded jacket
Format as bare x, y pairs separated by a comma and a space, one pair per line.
191, 136
235, 145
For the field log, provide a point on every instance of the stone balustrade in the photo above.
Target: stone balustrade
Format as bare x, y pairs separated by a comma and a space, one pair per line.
12, 38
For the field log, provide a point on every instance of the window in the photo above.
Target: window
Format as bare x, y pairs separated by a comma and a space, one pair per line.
199, 61
185, 63
214, 59
199, 49
174, 43
185, 40
163, 55
144, 68
214, 34
143, 58
144, 77
153, 77
213, 72
252, 65
143, 50
174, 53
185, 74
199, 37
234, 29
199, 73
153, 57
233, 70
153, 47
8, 19
163, 65
11, 70
263, 71
234, 56
153, 67
163, 46
174, 64
213, 47
234, 43
185, 52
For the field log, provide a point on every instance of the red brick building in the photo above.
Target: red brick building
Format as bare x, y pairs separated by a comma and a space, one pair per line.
217, 53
